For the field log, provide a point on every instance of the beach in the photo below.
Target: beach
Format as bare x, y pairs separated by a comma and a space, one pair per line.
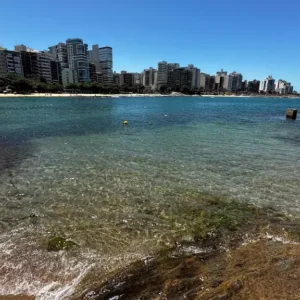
174, 94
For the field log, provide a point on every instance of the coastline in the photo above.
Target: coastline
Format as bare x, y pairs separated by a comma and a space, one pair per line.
48, 95
64, 95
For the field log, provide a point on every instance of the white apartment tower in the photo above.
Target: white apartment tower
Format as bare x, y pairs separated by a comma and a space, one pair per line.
149, 79
267, 85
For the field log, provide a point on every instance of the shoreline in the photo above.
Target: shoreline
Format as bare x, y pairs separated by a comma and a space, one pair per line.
66, 95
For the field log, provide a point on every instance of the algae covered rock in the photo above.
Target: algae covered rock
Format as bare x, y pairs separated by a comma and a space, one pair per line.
59, 243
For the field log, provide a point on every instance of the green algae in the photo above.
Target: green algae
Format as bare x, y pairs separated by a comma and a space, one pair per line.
199, 215
56, 244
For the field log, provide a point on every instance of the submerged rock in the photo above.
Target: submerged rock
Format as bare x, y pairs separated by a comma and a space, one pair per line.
59, 243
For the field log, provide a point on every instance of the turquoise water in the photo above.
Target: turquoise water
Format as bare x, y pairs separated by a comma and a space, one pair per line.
69, 167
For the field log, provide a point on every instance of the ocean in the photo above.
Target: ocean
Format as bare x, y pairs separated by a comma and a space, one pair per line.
70, 168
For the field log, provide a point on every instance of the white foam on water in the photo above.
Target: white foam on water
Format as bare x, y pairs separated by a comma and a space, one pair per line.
54, 291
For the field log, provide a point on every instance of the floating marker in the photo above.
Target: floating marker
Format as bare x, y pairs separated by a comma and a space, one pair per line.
291, 113
125, 122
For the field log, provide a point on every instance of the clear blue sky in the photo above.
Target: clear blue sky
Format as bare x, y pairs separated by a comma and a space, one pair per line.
256, 38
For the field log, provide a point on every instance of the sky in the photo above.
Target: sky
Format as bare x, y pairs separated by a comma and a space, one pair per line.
256, 38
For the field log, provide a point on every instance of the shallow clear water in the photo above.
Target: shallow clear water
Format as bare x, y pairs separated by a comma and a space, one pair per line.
70, 167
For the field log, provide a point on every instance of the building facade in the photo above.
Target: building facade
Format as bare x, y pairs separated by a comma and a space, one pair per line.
267, 85
30, 64
149, 79
93, 73
10, 62
234, 82
253, 86
78, 59
126, 79
44, 66
94, 57
20, 48
56, 76
163, 72
283, 87
67, 76
106, 64
60, 54
116, 78
195, 84
222, 81
179, 78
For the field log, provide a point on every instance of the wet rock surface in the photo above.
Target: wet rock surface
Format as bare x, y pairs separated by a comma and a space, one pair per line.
246, 272
58, 244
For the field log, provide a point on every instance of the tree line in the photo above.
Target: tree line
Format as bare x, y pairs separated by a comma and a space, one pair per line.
22, 85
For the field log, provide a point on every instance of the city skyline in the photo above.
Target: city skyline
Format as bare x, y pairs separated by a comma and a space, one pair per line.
74, 62
256, 39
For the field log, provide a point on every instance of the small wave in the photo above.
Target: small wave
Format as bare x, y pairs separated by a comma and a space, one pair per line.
54, 291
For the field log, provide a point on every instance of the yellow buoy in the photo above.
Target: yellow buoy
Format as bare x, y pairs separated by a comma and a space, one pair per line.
125, 122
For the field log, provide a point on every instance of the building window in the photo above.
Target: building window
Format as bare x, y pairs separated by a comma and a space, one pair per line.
80, 49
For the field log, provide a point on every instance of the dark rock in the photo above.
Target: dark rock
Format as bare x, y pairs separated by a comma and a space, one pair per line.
240, 265
216, 283
237, 286
59, 243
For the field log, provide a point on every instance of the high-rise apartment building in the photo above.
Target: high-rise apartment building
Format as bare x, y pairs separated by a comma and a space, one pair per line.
267, 85
126, 79
78, 59
60, 54
137, 78
44, 66
162, 74
149, 79
283, 87
94, 57
56, 76
10, 62
106, 64
20, 48
195, 84
163, 70
234, 82
207, 82
2, 62
253, 86
67, 76
179, 78
221, 81
116, 78
93, 73
30, 64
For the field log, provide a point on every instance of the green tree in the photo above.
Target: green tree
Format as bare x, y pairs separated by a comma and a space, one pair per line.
94, 88
42, 87
185, 90
163, 89
72, 86
22, 85
169, 90
55, 87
